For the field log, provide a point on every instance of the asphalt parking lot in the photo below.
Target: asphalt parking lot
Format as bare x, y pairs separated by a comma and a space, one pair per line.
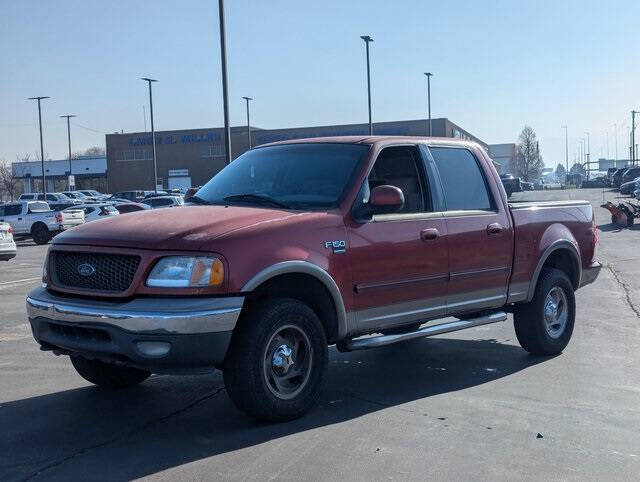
470, 405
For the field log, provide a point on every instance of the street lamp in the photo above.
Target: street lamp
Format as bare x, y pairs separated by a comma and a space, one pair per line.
225, 94
69, 116
247, 99
367, 39
588, 154
429, 74
566, 147
153, 135
44, 186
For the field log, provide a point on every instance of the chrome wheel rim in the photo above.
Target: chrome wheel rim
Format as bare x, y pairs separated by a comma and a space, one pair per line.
287, 362
556, 312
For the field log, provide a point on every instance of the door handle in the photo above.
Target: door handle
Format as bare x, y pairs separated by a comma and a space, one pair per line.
429, 234
494, 228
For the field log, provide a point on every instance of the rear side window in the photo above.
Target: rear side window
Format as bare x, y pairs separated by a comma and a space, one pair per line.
12, 209
463, 180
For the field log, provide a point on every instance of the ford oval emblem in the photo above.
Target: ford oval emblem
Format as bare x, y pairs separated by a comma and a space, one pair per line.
85, 269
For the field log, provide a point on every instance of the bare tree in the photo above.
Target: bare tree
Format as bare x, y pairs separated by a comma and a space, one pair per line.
561, 172
94, 151
9, 183
23, 157
47, 157
528, 162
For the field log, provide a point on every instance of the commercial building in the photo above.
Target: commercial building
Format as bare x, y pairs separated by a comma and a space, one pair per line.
88, 173
505, 155
191, 157
605, 164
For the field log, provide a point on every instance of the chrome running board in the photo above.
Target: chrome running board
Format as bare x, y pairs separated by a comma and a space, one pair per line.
382, 340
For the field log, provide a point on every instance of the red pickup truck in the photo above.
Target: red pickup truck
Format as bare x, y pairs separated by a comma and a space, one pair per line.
302, 244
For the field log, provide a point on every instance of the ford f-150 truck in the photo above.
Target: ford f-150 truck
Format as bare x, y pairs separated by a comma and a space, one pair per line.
354, 241
36, 220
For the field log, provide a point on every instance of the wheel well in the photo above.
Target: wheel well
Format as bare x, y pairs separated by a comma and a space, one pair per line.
563, 260
305, 288
38, 224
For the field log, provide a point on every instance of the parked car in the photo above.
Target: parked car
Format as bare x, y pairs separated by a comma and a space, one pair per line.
93, 212
129, 207
164, 202
610, 172
56, 201
617, 177
511, 184
296, 246
36, 220
133, 196
156, 194
94, 194
190, 193
627, 188
526, 185
630, 175
594, 182
7, 244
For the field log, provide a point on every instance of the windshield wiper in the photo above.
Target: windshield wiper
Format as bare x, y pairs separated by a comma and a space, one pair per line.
257, 198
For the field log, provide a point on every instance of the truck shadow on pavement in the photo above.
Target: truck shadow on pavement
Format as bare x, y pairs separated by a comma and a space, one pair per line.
92, 433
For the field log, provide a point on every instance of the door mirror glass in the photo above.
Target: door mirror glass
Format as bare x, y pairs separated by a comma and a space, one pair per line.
386, 199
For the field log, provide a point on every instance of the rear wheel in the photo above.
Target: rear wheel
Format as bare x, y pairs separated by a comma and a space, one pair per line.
107, 374
277, 361
545, 324
40, 234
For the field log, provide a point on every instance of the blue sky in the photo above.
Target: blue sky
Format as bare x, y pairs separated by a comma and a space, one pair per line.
497, 65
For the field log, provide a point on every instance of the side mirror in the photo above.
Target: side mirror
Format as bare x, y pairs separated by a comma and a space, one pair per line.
386, 199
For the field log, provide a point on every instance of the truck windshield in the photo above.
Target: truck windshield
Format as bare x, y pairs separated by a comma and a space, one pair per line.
295, 176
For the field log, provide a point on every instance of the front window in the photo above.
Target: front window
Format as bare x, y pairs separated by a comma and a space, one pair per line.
294, 176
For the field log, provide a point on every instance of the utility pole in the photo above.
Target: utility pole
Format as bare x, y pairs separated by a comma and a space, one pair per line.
588, 154
247, 99
225, 93
69, 139
566, 147
615, 134
367, 39
44, 185
633, 137
153, 136
429, 74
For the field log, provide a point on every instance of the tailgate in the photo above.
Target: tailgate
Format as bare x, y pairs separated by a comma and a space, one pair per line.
72, 217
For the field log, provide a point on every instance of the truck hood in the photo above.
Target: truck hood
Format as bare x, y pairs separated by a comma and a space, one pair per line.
185, 228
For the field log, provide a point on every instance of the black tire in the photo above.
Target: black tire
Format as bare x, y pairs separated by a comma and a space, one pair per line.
262, 331
40, 234
534, 333
108, 375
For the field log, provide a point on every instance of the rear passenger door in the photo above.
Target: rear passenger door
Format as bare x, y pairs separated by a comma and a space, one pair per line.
399, 261
12, 214
479, 232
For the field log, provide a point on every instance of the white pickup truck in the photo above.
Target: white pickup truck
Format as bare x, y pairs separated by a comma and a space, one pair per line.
36, 220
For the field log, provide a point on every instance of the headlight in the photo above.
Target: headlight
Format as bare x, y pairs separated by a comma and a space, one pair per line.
186, 272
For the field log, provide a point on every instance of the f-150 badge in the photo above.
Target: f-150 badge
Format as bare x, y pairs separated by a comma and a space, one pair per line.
338, 247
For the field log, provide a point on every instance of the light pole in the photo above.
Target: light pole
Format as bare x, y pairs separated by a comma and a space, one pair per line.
247, 99
566, 147
44, 186
588, 154
153, 135
367, 39
69, 116
429, 74
225, 94
615, 134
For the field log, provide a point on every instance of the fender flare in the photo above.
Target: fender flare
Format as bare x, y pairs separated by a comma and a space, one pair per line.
304, 267
555, 246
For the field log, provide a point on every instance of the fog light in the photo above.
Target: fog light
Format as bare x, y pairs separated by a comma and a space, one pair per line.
153, 348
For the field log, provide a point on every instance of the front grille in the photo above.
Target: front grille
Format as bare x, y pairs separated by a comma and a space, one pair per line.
96, 272
79, 333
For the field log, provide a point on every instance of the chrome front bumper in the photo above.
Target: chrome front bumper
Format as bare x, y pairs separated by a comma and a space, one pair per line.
180, 316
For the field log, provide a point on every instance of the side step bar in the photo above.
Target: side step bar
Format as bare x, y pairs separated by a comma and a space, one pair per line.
382, 340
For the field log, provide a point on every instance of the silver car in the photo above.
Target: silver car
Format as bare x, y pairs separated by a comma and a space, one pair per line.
7, 244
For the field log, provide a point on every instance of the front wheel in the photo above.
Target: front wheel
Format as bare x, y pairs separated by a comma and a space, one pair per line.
41, 234
277, 361
545, 324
